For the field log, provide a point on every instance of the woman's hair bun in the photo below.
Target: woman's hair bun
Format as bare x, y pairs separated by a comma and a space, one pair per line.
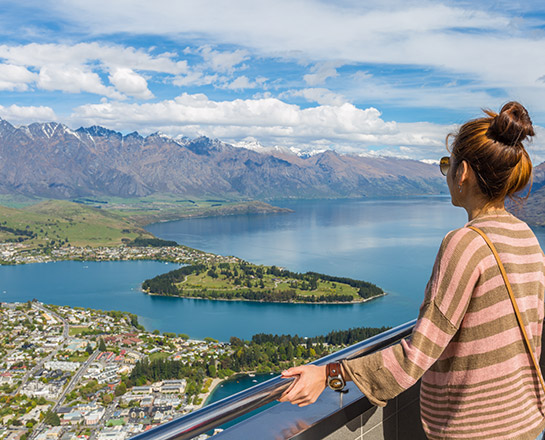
512, 126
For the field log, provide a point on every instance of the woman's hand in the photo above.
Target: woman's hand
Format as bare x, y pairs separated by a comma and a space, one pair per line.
310, 381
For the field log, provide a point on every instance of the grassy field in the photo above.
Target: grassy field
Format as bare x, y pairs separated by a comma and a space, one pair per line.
74, 331
79, 357
158, 355
57, 223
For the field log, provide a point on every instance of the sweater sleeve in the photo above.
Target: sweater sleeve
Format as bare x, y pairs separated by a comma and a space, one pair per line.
383, 375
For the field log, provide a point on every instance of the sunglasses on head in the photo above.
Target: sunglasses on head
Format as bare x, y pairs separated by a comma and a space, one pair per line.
444, 165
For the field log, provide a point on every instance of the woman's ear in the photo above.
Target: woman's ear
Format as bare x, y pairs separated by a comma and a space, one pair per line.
463, 172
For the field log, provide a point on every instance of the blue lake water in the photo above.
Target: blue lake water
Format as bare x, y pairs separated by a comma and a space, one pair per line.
235, 385
390, 242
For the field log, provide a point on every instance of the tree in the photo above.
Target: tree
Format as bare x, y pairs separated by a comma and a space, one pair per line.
102, 345
51, 418
212, 372
121, 389
89, 349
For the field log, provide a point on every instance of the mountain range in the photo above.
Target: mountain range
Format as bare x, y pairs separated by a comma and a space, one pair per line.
54, 161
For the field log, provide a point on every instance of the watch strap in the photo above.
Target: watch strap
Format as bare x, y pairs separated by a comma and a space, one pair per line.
333, 369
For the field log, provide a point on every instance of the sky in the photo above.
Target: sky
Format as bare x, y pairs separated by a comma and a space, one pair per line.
372, 78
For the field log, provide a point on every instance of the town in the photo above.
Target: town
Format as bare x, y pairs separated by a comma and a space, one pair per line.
64, 374
20, 253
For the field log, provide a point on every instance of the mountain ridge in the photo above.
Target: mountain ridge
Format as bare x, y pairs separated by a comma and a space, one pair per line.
52, 160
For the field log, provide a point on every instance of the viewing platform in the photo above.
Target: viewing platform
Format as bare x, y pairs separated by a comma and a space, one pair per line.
351, 417
331, 418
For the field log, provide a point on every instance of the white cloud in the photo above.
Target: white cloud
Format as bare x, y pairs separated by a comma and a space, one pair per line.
108, 55
319, 95
223, 62
195, 78
74, 80
130, 83
272, 121
76, 68
25, 115
15, 77
321, 72
241, 83
464, 39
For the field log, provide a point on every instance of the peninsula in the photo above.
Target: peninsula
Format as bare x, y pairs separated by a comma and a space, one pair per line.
240, 280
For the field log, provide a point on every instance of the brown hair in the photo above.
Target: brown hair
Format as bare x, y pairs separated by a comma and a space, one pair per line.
492, 146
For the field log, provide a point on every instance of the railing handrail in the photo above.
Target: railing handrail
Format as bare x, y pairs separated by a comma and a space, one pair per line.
232, 407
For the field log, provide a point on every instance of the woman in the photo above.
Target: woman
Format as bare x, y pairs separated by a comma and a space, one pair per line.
478, 379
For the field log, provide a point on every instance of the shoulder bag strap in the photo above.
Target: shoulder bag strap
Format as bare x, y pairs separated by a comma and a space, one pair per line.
512, 296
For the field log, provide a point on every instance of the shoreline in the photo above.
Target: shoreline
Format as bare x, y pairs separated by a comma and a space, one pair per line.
216, 382
269, 302
204, 396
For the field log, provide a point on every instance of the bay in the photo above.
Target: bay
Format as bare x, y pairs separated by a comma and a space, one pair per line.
236, 384
390, 242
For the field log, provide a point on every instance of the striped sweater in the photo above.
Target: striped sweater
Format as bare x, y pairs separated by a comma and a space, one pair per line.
478, 380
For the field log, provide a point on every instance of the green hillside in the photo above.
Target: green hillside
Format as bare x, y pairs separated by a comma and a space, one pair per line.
60, 223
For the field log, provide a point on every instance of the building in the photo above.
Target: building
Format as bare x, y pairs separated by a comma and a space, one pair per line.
94, 417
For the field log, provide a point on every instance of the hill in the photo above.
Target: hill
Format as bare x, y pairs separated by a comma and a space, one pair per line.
53, 161
57, 223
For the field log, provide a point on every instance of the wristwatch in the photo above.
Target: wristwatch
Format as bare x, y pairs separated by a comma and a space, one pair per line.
335, 380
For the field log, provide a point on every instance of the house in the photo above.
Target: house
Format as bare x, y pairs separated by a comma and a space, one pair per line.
113, 433
147, 401
6, 378
146, 389
72, 418
53, 433
94, 417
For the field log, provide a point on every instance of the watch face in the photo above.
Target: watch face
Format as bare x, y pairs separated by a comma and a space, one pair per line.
336, 383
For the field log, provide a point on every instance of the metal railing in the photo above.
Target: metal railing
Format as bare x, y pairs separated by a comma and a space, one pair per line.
232, 407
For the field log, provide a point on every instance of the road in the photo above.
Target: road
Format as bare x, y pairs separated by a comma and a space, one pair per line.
66, 326
75, 378
41, 362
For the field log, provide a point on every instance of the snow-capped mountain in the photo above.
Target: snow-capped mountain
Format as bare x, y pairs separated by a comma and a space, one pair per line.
52, 160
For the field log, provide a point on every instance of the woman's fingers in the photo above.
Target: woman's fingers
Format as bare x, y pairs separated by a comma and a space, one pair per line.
282, 398
294, 371
307, 387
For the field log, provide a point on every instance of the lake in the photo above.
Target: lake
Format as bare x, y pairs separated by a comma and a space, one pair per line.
389, 242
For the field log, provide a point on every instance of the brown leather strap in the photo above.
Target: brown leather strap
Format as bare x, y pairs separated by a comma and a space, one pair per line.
513, 301
333, 369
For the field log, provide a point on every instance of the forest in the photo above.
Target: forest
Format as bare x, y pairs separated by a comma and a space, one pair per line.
264, 353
